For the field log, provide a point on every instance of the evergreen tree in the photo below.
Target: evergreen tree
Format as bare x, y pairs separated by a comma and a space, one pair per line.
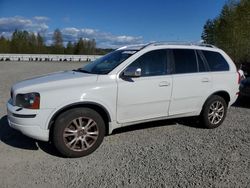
40, 44
80, 47
208, 32
70, 48
230, 30
4, 45
29, 43
32, 43
58, 42
15, 42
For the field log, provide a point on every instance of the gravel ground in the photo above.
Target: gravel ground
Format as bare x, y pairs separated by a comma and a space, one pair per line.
173, 153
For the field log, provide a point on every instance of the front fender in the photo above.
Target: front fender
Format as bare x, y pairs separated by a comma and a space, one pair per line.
72, 103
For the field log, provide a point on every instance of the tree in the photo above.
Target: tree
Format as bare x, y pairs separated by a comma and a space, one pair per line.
80, 47
29, 42
91, 46
242, 31
32, 42
85, 46
4, 45
230, 30
209, 32
70, 48
58, 42
15, 42
40, 44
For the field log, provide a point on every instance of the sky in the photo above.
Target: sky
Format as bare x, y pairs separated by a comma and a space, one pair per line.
112, 23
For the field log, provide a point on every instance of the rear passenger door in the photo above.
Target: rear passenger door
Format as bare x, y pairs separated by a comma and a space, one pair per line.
191, 82
219, 70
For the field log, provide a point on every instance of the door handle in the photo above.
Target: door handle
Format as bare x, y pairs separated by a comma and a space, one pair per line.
164, 83
205, 80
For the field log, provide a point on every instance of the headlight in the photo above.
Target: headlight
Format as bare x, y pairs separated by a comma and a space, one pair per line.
28, 100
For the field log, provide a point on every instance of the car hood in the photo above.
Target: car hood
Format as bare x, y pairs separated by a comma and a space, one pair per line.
54, 81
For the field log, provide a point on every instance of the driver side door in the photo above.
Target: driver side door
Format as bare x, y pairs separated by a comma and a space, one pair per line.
147, 96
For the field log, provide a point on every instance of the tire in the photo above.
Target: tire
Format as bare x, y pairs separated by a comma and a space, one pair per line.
214, 112
78, 132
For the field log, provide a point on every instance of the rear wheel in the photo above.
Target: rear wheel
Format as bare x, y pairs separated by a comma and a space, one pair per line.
214, 112
78, 132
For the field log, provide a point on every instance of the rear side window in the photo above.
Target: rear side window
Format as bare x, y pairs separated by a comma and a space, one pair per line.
216, 61
201, 63
185, 61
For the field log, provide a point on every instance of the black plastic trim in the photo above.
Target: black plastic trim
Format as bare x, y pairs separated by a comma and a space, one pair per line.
24, 116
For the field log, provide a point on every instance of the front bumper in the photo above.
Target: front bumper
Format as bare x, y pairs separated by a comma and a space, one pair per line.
31, 123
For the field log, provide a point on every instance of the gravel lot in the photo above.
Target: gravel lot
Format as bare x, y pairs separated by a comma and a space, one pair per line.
173, 153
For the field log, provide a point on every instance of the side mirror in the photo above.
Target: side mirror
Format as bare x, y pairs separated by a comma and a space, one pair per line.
132, 72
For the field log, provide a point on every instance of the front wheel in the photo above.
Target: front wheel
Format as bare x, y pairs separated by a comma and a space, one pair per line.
78, 132
213, 112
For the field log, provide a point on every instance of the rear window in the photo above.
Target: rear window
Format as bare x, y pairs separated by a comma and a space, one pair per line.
216, 61
185, 61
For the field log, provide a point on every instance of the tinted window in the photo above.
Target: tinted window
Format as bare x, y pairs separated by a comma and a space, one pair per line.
152, 63
108, 62
216, 61
185, 61
201, 63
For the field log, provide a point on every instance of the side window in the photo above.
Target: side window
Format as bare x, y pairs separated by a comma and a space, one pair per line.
185, 61
201, 63
216, 61
152, 63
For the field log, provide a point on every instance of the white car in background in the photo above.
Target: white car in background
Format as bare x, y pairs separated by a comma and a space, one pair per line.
134, 84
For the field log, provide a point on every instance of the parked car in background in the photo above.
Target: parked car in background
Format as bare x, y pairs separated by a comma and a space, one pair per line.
133, 84
245, 67
245, 87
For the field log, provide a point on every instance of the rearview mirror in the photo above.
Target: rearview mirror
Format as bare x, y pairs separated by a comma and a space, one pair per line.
132, 72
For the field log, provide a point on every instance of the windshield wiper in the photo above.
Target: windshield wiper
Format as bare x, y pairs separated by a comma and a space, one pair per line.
82, 70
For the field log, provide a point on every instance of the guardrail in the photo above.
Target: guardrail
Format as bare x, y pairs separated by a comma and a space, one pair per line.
47, 57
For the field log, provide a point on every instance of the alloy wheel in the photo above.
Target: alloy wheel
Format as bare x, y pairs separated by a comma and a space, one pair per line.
216, 112
80, 134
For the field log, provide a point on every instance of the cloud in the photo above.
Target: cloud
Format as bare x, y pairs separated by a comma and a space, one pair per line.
103, 39
36, 24
39, 24
41, 19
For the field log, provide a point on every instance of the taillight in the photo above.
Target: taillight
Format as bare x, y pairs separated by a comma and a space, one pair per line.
239, 77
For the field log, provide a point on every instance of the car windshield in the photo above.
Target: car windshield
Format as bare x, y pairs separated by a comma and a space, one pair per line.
107, 63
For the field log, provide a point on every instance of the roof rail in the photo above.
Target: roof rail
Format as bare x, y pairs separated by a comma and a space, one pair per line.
171, 43
179, 43
148, 44
207, 45
135, 45
142, 46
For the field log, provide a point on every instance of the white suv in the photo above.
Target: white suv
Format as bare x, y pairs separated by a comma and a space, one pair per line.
134, 84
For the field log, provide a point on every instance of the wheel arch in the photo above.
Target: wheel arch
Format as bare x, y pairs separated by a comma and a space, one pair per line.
222, 93
95, 106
